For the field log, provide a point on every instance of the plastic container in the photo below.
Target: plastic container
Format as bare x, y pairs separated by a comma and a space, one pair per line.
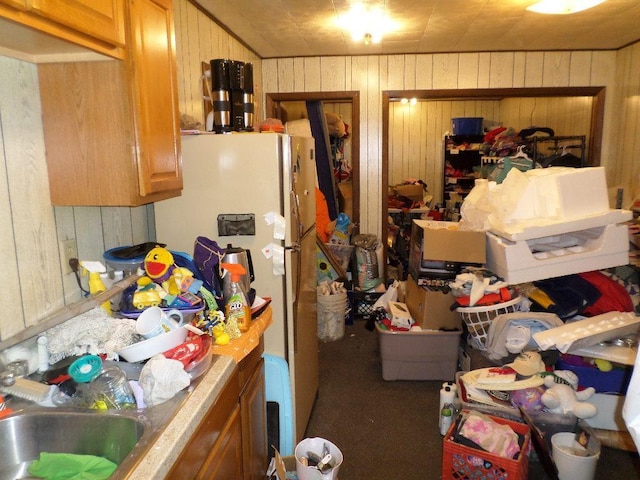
419, 355
331, 316
127, 265
467, 125
478, 320
574, 462
460, 461
317, 445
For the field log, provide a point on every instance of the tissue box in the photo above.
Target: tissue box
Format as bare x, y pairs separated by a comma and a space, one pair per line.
598, 248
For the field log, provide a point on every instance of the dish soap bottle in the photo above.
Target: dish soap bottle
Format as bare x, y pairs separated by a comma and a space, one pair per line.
237, 308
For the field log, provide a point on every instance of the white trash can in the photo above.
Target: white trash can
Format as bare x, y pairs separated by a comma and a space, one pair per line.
317, 445
573, 461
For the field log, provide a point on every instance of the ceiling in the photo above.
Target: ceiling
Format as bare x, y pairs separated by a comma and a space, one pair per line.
298, 28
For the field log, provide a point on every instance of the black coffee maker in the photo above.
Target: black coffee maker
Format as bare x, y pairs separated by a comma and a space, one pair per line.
221, 96
241, 83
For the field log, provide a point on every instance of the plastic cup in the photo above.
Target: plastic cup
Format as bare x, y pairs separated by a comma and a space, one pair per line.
573, 461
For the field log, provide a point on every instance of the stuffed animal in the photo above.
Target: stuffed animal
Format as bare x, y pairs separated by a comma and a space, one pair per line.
562, 398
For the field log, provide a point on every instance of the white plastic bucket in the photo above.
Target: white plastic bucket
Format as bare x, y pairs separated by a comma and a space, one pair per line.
316, 445
574, 462
332, 310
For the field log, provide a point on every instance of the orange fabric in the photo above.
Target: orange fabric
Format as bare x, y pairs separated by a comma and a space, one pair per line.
322, 217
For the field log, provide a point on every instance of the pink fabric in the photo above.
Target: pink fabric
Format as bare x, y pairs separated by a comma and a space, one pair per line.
492, 436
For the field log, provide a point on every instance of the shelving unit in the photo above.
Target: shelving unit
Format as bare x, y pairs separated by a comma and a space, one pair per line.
462, 163
542, 148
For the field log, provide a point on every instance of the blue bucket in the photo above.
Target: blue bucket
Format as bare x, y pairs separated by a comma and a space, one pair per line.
467, 125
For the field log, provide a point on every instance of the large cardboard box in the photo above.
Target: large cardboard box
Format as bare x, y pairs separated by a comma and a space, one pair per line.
444, 241
431, 309
412, 192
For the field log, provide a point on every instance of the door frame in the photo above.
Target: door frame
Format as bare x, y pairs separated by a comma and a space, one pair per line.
595, 135
272, 109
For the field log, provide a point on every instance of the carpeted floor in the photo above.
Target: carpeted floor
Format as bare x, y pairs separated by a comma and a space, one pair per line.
389, 430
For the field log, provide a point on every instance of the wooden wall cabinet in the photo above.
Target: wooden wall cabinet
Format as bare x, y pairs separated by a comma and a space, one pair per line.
231, 440
46, 27
111, 127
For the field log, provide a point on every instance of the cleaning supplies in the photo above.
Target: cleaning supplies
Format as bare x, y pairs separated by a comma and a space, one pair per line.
237, 307
24, 388
94, 269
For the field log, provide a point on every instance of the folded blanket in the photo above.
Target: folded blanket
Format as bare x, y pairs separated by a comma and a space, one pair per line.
492, 436
69, 466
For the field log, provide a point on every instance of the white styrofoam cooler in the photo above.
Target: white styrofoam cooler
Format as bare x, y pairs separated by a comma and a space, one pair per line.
598, 248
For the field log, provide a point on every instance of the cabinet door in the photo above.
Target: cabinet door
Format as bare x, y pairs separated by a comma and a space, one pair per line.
225, 460
101, 19
19, 4
154, 83
254, 430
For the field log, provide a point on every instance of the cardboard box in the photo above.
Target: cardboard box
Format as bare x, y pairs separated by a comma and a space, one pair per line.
412, 192
419, 355
431, 309
444, 241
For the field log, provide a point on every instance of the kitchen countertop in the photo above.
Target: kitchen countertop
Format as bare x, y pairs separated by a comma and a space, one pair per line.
164, 452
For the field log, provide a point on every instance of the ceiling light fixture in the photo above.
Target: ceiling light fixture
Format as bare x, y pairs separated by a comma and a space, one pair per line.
563, 6
365, 23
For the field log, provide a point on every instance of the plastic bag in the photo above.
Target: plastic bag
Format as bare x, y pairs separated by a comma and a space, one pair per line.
391, 295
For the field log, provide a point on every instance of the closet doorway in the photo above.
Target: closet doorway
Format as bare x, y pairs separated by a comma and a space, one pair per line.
291, 106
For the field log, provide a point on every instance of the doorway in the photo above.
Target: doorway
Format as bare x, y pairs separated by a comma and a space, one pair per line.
595, 96
276, 104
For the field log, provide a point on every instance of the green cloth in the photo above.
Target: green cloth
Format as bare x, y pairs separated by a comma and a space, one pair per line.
69, 466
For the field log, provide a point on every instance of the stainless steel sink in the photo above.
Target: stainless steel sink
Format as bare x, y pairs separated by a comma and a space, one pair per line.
121, 436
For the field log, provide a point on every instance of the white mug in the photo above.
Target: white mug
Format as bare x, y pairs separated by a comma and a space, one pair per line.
154, 321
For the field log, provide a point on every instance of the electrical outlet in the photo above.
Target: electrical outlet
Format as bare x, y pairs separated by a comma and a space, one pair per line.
68, 250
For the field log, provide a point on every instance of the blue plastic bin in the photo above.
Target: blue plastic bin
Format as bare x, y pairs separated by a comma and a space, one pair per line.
467, 125
278, 394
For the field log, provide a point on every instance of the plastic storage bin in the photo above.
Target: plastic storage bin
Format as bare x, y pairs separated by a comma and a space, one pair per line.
460, 461
419, 355
467, 125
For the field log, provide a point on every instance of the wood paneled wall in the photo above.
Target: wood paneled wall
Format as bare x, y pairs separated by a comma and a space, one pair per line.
416, 131
33, 282
371, 75
199, 39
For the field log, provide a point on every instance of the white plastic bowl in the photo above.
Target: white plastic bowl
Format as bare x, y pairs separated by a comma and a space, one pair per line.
148, 348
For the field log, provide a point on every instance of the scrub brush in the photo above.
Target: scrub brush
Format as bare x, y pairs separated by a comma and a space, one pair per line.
23, 387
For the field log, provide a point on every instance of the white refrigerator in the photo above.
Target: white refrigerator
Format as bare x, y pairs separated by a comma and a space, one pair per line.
259, 174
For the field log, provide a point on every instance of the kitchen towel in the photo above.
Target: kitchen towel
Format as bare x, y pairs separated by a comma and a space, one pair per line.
69, 466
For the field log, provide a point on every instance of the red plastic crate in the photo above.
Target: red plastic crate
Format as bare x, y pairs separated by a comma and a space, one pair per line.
461, 462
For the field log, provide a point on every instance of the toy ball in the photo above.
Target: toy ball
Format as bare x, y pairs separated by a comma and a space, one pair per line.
158, 264
530, 399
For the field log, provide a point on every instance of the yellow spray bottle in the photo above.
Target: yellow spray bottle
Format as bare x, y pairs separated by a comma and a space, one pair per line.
237, 307
94, 269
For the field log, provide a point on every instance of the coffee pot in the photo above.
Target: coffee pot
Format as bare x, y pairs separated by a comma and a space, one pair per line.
242, 257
